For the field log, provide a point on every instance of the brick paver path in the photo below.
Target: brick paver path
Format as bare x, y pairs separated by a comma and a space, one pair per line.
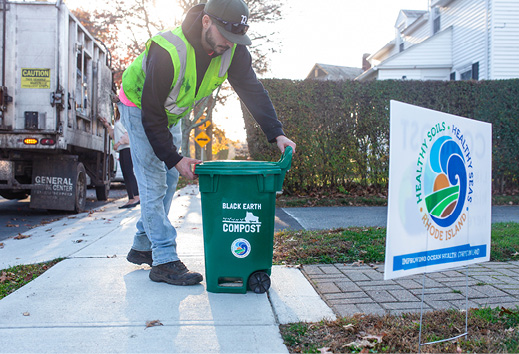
350, 289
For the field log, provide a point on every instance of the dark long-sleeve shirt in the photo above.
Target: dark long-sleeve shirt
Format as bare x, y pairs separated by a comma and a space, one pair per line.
159, 76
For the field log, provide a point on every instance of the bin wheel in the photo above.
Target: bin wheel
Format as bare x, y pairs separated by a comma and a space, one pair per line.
259, 282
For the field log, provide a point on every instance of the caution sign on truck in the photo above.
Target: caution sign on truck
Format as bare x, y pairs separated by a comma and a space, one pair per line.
36, 78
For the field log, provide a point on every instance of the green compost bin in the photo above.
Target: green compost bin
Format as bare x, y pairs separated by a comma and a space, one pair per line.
238, 211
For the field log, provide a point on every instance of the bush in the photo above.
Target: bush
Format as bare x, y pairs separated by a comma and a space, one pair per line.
342, 127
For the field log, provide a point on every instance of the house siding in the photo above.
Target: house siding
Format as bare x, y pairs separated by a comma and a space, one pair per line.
419, 35
414, 74
435, 52
485, 37
504, 39
468, 18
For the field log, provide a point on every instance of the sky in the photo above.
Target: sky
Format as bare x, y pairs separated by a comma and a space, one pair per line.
335, 32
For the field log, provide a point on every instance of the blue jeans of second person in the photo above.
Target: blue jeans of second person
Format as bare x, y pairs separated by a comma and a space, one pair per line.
157, 186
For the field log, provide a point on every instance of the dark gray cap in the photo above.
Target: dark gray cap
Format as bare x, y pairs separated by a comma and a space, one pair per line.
230, 17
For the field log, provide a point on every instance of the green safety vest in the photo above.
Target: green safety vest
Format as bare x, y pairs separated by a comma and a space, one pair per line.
181, 98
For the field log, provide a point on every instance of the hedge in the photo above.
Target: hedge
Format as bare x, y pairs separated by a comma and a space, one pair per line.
342, 127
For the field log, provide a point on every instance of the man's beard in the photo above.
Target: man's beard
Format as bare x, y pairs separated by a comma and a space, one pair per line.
218, 49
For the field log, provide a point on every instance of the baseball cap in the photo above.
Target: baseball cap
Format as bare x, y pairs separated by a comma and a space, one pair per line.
230, 17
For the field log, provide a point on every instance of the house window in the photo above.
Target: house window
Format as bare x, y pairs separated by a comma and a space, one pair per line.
453, 76
466, 75
472, 73
437, 21
401, 48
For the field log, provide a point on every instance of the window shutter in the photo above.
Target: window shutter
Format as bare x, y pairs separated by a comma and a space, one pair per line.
475, 71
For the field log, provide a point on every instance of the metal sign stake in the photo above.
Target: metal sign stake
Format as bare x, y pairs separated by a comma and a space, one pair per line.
420, 344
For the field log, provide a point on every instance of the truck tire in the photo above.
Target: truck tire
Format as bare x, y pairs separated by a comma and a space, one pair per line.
102, 192
81, 188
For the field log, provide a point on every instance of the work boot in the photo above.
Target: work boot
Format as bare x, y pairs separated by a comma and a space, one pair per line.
175, 273
139, 257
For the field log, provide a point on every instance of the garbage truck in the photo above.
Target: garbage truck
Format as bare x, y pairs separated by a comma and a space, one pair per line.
56, 82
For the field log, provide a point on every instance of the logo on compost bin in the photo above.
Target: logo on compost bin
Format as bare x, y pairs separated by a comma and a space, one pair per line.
444, 181
249, 224
240, 248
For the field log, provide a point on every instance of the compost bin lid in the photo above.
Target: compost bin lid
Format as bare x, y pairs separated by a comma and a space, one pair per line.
240, 167
231, 167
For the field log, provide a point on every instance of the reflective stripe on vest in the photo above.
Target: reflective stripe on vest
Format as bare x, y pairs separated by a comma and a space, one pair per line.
182, 96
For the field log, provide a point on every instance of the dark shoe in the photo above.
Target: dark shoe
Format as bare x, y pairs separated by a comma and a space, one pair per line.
139, 257
175, 273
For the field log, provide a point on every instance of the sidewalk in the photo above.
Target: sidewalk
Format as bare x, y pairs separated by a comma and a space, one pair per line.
95, 301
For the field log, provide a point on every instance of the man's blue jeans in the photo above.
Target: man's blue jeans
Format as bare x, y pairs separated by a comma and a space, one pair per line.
157, 186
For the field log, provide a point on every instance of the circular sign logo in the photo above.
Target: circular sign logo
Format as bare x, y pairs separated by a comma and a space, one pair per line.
240, 248
446, 182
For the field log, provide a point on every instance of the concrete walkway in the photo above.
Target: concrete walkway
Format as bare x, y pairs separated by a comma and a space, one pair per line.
94, 301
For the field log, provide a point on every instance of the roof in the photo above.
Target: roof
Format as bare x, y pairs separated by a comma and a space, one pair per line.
414, 13
333, 72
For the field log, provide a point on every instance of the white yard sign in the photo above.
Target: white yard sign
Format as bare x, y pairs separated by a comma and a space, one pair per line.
439, 205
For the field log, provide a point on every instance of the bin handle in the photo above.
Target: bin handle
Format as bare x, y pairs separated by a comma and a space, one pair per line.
286, 159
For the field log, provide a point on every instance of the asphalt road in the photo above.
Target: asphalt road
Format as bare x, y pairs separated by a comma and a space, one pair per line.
335, 217
16, 217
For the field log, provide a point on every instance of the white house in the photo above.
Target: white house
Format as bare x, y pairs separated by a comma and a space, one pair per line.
333, 72
454, 40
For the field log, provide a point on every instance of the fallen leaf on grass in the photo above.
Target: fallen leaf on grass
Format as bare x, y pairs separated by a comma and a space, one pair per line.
360, 344
505, 311
377, 338
366, 341
349, 326
11, 225
4, 277
28, 277
153, 323
21, 237
325, 350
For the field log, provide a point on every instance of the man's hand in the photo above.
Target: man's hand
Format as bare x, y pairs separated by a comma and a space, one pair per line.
185, 169
282, 142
